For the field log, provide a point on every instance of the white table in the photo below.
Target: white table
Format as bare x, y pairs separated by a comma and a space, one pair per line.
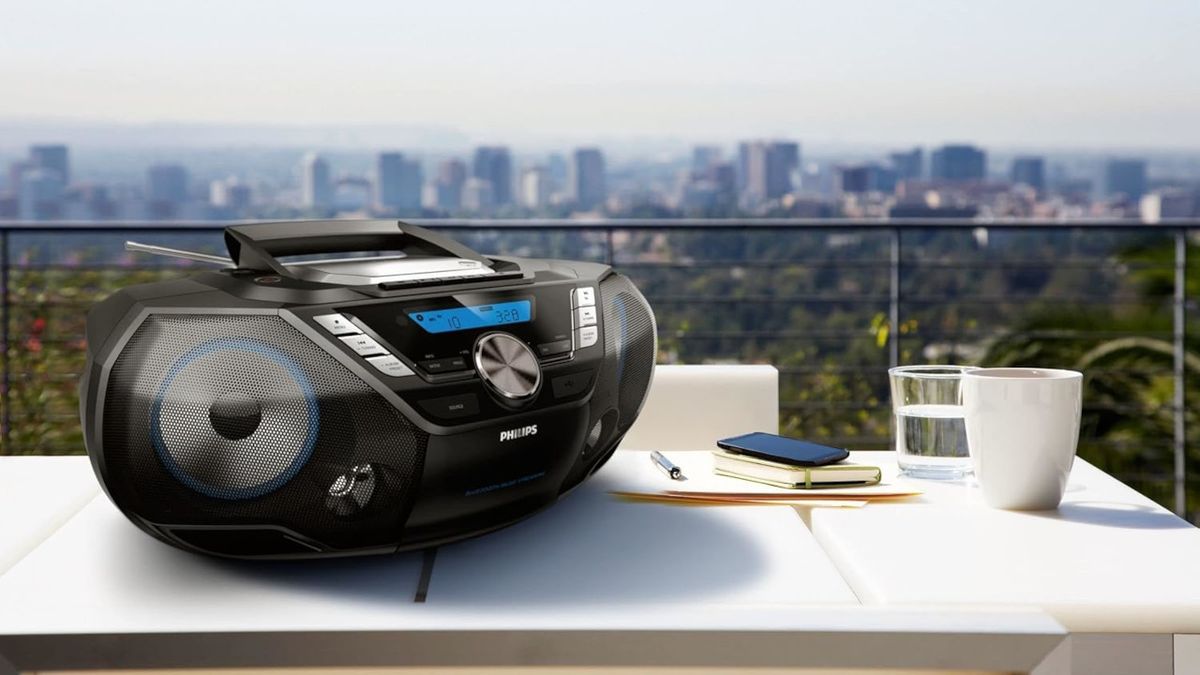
1117, 570
593, 581
38, 495
939, 582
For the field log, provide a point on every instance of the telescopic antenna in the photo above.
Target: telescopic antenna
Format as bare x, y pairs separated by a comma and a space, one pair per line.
178, 253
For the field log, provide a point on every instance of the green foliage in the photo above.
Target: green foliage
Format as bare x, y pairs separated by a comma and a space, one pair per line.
47, 350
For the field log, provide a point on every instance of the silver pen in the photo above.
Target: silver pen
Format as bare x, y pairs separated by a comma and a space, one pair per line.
666, 466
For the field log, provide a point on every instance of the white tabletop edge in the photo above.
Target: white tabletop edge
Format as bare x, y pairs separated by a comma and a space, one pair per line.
23, 535
1102, 535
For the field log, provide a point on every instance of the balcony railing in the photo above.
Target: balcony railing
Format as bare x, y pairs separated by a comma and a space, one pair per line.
831, 303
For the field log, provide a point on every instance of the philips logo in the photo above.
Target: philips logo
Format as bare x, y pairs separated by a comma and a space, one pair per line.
519, 432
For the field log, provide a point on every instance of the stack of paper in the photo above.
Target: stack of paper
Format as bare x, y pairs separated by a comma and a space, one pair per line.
702, 486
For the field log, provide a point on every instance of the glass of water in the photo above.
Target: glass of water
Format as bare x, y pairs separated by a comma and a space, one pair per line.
931, 439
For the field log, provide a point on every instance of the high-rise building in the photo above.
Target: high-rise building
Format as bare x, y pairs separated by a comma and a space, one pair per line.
238, 196
585, 179
316, 184
1125, 177
96, 201
704, 156
494, 165
862, 178
767, 168
53, 158
535, 187
908, 164
397, 182
40, 195
724, 178
1029, 171
712, 191
388, 168
15, 171
452, 174
783, 159
229, 193
958, 163
556, 169
166, 190
477, 195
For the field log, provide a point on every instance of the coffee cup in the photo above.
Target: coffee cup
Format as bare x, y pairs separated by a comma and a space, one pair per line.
1022, 431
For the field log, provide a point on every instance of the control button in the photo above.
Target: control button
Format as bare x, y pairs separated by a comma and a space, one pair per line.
556, 347
570, 385
336, 324
508, 367
585, 316
363, 345
586, 337
390, 365
435, 366
583, 297
452, 407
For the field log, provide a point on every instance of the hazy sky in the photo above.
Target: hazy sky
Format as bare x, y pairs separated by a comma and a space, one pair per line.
1033, 73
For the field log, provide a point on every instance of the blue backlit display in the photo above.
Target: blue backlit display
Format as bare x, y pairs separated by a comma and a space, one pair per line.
475, 316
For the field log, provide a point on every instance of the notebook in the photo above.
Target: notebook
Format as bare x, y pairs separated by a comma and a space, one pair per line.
842, 474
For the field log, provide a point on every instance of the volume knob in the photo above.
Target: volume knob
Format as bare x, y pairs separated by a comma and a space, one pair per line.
508, 368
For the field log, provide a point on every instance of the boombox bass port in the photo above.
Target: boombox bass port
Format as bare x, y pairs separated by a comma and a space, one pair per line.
294, 404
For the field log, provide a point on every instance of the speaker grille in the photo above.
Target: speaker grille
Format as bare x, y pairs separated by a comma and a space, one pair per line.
240, 420
630, 342
234, 418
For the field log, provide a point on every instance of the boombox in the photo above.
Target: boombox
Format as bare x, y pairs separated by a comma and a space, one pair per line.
298, 404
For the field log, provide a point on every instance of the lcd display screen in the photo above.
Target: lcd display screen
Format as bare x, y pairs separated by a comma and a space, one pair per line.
474, 316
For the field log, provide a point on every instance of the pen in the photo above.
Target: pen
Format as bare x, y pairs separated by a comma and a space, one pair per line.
666, 466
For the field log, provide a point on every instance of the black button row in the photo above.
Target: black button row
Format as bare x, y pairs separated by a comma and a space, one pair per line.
556, 347
435, 366
467, 405
452, 407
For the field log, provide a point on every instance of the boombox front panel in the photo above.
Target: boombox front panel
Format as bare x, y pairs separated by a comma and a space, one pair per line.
215, 421
253, 435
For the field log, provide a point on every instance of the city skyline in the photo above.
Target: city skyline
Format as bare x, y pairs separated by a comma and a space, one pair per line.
1019, 74
759, 177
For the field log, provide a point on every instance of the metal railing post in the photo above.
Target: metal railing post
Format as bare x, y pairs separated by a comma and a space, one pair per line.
5, 350
608, 242
1179, 333
894, 298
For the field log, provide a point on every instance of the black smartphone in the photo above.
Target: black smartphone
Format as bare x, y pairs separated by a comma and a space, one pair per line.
782, 449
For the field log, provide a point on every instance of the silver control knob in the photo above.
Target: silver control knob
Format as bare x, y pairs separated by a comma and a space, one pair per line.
508, 368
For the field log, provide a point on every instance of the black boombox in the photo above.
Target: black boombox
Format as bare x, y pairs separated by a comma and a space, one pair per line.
300, 408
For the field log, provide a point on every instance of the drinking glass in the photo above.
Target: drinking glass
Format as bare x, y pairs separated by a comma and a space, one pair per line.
931, 438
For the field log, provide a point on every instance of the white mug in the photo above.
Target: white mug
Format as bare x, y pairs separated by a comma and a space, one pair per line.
1022, 431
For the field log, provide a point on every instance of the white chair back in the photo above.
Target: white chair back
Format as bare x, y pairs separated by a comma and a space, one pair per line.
691, 407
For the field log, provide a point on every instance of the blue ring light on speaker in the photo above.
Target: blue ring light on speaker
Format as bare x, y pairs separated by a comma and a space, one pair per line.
260, 349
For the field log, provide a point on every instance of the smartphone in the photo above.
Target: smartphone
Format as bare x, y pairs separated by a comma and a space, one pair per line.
782, 449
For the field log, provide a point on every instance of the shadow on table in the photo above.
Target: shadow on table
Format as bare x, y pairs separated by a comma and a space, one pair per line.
589, 548
1114, 514
594, 548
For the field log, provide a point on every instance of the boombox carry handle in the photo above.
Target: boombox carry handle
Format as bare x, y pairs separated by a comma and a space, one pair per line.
259, 246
